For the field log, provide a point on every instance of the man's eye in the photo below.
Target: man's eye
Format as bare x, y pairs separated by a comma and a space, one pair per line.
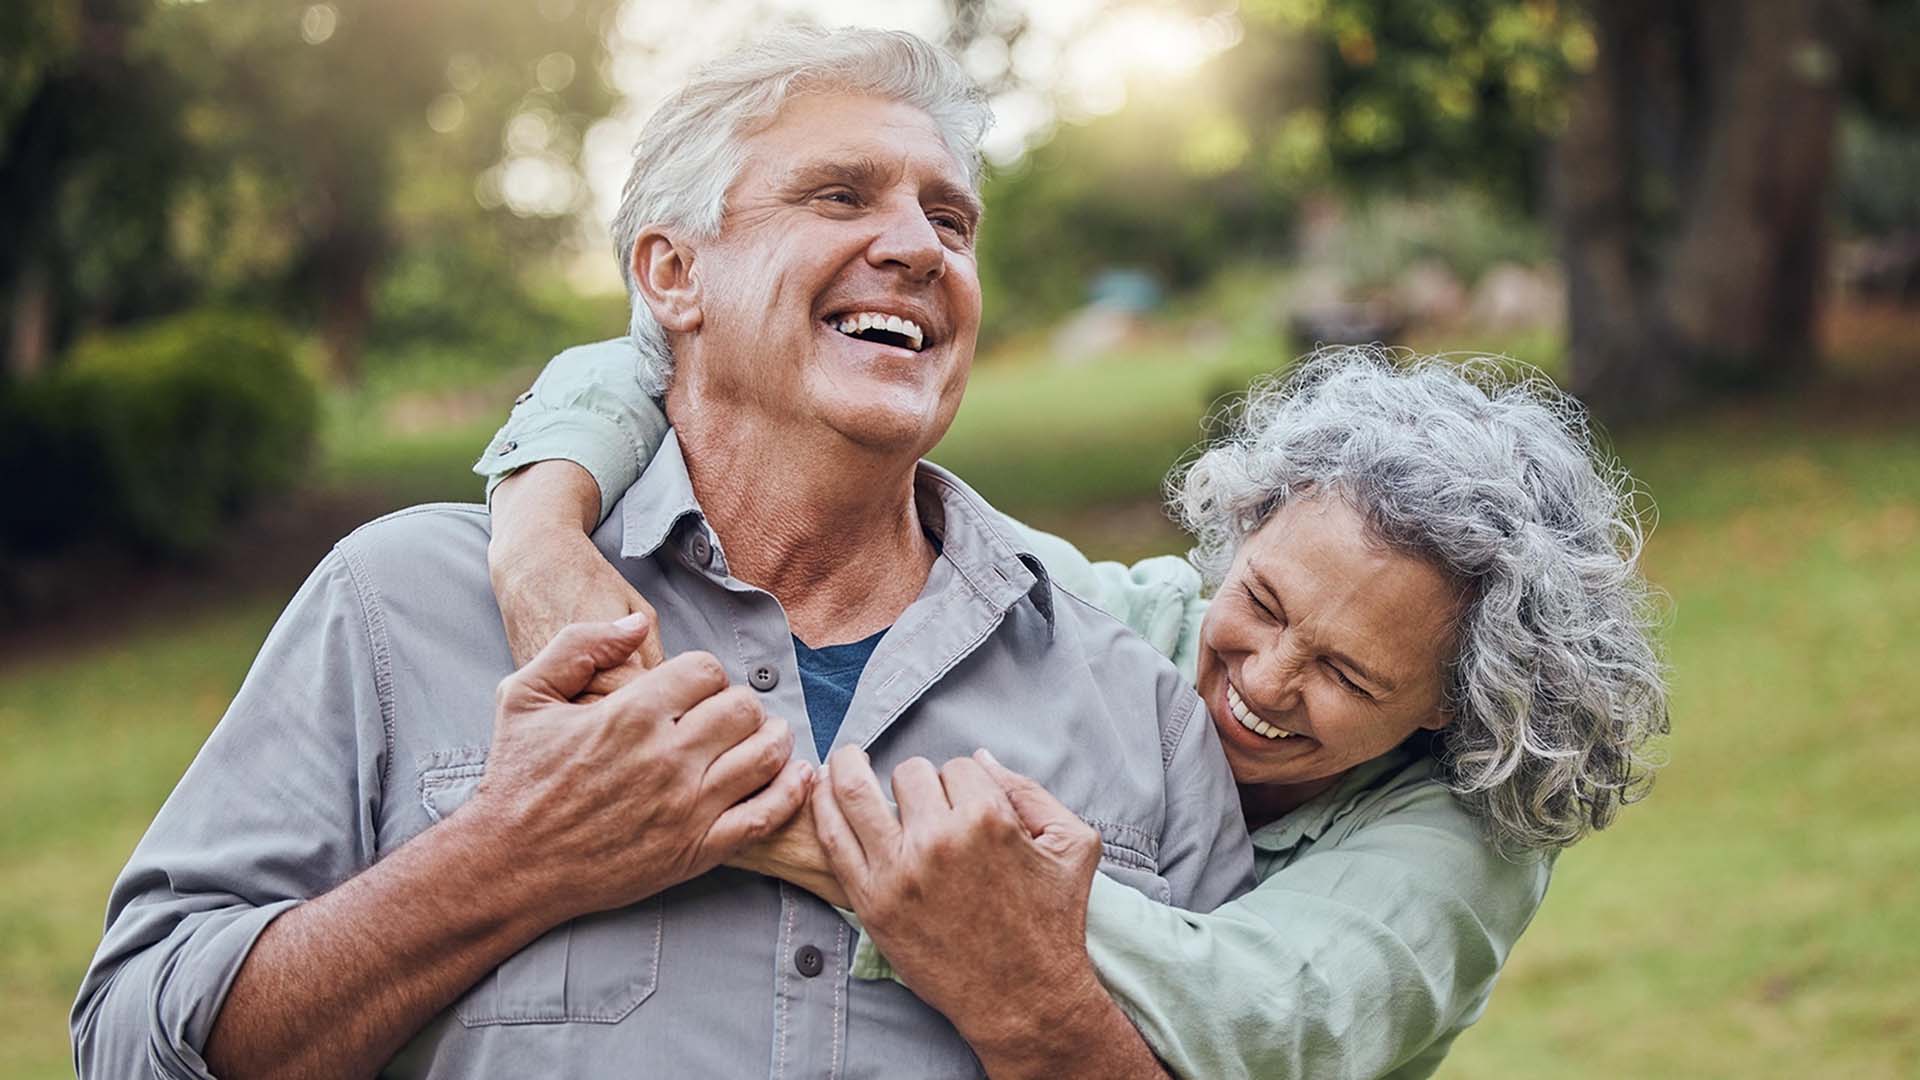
950, 222
843, 198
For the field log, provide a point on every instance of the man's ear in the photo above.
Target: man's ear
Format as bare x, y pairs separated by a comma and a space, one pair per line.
663, 272
1438, 721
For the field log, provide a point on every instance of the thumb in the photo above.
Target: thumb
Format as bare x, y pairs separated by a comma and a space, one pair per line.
580, 651
1039, 811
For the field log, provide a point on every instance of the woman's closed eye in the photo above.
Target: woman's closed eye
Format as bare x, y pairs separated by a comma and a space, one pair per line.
1349, 685
1254, 598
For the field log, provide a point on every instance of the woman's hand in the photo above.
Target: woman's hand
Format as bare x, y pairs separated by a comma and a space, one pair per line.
795, 855
977, 895
547, 574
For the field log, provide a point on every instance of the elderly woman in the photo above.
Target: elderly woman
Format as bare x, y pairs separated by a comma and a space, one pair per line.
1415, 616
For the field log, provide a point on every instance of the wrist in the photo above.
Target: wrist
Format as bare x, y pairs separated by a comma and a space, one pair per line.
509, 877
1043, 1031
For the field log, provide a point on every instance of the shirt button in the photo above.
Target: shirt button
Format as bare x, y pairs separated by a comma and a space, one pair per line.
808, 961
523, 398
700, 548
764, 678
509, 446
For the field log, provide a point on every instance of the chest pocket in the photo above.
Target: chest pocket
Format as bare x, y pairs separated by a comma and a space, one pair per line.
595, 969
1130, 856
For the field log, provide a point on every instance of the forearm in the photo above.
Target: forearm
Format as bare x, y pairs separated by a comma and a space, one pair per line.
1071, 1030
545, 495
337, 985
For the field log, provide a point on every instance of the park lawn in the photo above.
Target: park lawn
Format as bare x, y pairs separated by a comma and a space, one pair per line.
1758, 916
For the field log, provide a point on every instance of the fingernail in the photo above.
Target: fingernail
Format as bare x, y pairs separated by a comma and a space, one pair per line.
631, 622
986, 755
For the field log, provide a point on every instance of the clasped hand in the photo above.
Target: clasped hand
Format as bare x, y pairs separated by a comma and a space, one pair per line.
614, 800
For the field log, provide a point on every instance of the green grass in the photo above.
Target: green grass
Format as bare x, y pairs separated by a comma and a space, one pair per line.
1759, 916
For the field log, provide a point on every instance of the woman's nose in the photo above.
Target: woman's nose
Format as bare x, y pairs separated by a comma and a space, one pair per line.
1274, 682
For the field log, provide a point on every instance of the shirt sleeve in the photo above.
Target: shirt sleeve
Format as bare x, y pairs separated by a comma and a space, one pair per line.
586, 407
1204, 853
1159, 598
1353, 961
277, 808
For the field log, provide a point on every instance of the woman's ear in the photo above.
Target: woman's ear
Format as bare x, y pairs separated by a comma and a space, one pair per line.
663, 273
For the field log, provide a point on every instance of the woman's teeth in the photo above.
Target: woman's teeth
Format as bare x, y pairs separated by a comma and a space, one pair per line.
1249, 721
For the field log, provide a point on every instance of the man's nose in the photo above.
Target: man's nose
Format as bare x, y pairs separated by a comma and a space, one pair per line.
907, 242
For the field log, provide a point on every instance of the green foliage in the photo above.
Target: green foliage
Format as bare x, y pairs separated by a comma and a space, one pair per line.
154, 436
1164, 185
1877, 189
1418, 91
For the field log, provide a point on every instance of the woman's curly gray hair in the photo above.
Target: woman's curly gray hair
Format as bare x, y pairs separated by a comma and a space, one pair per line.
1556, 685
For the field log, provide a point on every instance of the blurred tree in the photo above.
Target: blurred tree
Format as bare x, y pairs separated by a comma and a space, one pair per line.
1683, 149
343, 128
158, 154
1692, 181
89, 157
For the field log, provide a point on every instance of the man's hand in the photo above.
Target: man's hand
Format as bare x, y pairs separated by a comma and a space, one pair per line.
795, 855
547, 574
977, 895
654, 784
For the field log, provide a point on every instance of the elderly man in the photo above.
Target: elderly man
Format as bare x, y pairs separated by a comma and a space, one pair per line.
377, 864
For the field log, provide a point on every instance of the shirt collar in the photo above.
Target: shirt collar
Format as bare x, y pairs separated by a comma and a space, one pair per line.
973, 537
1311, 818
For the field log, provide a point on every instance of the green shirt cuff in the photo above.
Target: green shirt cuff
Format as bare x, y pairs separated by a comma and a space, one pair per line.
596, 443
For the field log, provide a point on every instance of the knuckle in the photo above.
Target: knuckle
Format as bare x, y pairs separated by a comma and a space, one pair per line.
706, 670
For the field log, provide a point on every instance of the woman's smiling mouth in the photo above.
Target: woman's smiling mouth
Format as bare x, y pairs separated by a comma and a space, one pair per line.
1238, 706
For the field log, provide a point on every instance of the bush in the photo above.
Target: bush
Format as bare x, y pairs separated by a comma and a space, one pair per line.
156, 435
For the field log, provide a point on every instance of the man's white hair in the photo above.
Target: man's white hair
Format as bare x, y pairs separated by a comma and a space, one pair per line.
690, 151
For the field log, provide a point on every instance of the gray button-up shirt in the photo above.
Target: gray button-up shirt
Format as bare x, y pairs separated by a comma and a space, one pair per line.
367, 718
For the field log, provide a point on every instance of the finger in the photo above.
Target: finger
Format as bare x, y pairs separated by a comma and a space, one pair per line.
1037, 808
724, 720
578, 653
845, 856
751, 764
917, 788
613, 678
673, 688
761, 816
862, 802
977, 794
651, 653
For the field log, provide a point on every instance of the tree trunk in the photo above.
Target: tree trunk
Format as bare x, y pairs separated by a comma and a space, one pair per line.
1689, 191
346, 309
30, 339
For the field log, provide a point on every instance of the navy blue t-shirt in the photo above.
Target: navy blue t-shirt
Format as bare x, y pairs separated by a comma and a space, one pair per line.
827, 678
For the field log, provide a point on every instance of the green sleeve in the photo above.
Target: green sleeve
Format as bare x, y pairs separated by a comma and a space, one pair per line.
586, 407
1364, 958
1159, 598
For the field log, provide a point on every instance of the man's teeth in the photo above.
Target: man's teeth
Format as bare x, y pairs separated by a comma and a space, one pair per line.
1248, 720
873, 320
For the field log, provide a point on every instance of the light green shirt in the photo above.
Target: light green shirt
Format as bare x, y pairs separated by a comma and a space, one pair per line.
1383, 914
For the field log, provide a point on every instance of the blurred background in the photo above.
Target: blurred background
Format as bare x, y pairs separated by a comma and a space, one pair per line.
270, 269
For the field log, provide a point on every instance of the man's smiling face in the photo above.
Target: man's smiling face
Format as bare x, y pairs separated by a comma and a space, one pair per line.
841, 288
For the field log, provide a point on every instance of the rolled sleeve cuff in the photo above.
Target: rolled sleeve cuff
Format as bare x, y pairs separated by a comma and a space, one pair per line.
186, 995
597, 443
